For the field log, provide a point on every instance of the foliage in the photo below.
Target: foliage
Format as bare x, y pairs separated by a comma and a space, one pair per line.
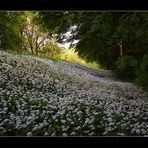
126, 68
94, 30
72, 56
133, 30
97, 44
51, 51
142, 77
99, 34
54, 22
9, 30
19, 33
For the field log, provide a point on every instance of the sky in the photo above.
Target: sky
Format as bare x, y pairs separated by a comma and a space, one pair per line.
67, 35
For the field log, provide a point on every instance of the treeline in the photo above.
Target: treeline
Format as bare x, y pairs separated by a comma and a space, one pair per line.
116, 40
19, 33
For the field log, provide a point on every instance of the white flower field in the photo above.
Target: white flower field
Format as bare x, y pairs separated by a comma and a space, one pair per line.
39, 97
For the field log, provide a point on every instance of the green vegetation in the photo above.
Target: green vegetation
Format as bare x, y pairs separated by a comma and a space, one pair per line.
72, 56
126, 68
115, 41
49, 96
142, 75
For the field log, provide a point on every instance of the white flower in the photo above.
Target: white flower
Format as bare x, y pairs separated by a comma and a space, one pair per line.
137, 131
72, 123
111, 124
92, 133
96, 113
29, 134
73, 133
45, 122
107, 94
46, 134
120, 134
54, 117
109, 119
64, 134
63, 121
77, 128
53, 134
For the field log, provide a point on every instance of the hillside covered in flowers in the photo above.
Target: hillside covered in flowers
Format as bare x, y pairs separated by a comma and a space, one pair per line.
39, 97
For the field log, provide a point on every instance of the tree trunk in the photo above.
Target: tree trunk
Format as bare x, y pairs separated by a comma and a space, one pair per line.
36, 51
120, 47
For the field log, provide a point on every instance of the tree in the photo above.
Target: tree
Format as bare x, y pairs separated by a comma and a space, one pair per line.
51, 50
33, 37
133, 29
94, 30
9, 31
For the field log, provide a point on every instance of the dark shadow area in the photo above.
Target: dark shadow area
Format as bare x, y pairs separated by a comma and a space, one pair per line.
73, 5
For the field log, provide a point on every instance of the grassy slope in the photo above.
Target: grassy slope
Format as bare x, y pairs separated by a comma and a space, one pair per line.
71, 56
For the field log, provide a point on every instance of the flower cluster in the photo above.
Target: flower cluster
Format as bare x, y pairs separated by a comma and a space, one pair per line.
39, 97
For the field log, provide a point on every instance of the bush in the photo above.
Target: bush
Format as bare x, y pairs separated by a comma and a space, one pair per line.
72, 56
126, 68
142, 75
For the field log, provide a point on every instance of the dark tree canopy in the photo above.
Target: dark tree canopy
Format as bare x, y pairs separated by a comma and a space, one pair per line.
99, 33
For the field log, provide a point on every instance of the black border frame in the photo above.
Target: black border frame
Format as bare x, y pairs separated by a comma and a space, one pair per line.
73, 5
74, 142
